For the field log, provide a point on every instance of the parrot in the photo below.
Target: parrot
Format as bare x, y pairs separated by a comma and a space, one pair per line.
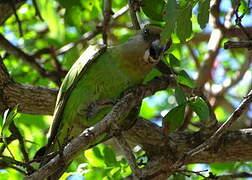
97, 79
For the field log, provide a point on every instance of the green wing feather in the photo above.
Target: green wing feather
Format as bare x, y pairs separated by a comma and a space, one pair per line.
69, 82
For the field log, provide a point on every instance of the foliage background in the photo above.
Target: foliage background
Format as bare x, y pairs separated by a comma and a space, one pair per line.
64, 22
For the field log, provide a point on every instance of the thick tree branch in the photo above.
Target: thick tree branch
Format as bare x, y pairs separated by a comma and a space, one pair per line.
31, 99
231, 147
219, 132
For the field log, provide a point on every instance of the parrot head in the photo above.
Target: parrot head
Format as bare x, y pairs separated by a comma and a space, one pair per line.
145, 44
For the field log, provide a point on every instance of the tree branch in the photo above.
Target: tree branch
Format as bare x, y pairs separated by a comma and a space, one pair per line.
219, 132
106, 18
11, 49
134, 7
214, 44
31, 99
239, 44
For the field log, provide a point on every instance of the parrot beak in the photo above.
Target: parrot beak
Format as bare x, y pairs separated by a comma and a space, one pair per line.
155, 50
154, 53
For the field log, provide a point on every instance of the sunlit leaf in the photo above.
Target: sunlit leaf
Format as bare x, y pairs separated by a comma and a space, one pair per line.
94, 157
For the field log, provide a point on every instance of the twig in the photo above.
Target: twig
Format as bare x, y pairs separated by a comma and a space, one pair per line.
7, 162
12, 49
239, 75
120, 12
192, 172
240, 44
8, 140
17, 18
187, 120
232, 176
16, 133
90, 35
40, 52
106, 18
34, 2
134, 7
85, 37
194, 56
214, 44
238, 19
57, 64
125, 148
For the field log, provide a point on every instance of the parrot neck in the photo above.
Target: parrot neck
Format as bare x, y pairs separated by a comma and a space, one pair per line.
132, 60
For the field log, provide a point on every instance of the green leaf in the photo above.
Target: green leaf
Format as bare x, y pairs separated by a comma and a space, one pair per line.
174, 118
8, 117
184, 78
173, 61
153, 9
203, 15
170, 17
184, 23
109, 157
180, 95
200, 107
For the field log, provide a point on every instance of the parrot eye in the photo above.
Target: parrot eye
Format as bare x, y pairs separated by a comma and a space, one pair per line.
146, 34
